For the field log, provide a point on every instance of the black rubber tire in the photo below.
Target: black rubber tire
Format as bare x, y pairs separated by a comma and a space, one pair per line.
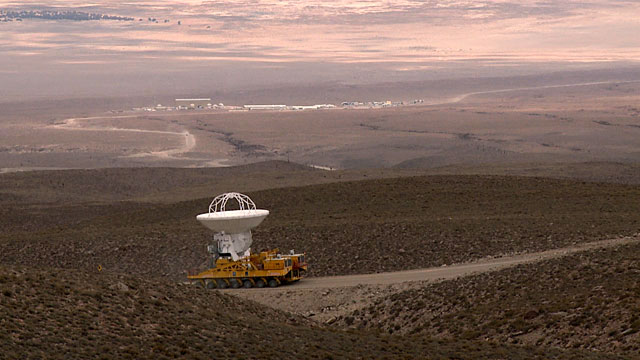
222, 284
211, 284
260, 283
235, 283
273, 283
247, 284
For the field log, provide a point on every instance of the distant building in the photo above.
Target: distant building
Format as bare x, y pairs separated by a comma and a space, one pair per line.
304, 107
196, 103
265, 107
312, 107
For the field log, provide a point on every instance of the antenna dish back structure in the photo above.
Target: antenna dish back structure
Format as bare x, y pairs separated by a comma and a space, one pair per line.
233, 227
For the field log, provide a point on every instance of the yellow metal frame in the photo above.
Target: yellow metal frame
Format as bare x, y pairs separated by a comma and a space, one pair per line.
266, 265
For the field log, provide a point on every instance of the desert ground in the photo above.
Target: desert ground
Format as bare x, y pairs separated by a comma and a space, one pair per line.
496, 219
403, 263
462, 176
570, 117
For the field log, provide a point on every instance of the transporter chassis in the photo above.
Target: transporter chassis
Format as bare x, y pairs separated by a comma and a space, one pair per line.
267, 268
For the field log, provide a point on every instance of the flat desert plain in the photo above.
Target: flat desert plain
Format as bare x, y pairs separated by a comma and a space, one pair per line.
574, 119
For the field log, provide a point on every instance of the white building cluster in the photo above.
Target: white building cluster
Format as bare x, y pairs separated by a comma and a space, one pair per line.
185, 104
371, 104
205, 103
289, 107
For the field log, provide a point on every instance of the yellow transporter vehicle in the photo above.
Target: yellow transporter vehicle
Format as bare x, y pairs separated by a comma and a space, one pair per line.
233, 264
267, 268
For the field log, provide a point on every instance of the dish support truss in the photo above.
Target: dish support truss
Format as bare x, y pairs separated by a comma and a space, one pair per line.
237, 245
219, 203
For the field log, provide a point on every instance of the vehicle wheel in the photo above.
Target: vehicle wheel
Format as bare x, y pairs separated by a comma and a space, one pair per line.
235, 283
210, 284
273, 283
247, 284
222, 284
260, 283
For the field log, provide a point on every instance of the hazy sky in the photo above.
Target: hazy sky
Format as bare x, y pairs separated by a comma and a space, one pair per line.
239, 44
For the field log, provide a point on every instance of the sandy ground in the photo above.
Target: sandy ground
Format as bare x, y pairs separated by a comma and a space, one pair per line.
461, 97
514, 123
190, 139
325, 298
74, 125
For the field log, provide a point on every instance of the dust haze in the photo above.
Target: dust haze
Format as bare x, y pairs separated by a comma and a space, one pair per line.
198, 47
461, 176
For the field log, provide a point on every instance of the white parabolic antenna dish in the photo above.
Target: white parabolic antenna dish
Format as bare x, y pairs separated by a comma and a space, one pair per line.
234, 221
219, 219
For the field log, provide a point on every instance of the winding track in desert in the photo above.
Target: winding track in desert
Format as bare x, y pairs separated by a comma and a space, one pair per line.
461, 97
190, 139
450, 272
326, 298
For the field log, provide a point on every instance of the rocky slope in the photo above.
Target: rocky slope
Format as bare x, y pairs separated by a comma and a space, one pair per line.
588, 301
345, 228
66, 314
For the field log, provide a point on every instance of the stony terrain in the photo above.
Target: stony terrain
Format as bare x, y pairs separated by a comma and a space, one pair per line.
138, 226
466, 185
64, 314
399, 224
587, 301
326, 299
170, 185
346, 228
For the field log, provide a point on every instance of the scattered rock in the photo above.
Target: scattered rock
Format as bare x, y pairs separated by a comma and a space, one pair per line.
120, 286
532, 314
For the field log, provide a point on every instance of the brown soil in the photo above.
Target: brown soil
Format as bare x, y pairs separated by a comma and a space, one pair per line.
586, 301
168, 185
64, 314
57, 227
409, 223
597, 122
325, 299
345, 228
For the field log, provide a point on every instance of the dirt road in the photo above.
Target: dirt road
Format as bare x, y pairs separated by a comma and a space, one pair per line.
325, 298
450, 272
461, 97
189, 139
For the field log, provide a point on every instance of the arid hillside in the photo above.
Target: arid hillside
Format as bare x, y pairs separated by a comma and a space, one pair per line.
65, 314
585, 301
92, 264
348, 227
